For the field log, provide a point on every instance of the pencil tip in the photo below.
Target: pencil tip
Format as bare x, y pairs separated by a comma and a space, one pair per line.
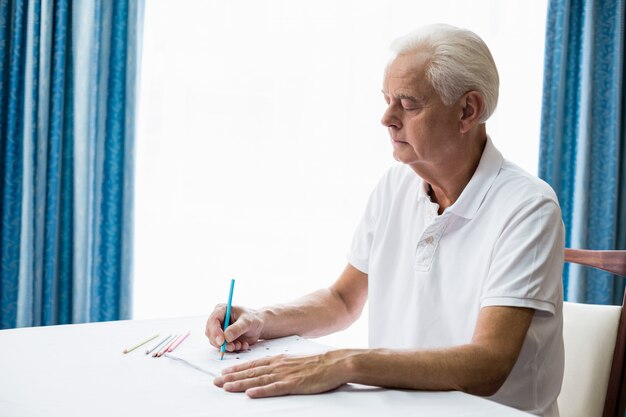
222, 356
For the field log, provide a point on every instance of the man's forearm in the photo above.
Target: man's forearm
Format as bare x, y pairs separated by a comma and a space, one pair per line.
316, 314
479, 367
467, 368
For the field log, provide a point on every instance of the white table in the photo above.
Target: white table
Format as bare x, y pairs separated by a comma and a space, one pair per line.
79, 370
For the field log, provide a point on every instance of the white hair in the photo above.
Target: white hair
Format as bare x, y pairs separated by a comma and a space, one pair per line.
460, 62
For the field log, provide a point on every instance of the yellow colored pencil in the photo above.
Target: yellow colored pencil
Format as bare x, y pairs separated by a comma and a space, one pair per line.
130, 349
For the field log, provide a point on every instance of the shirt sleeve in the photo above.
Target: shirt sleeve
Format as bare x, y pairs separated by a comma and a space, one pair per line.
527, 259
363, 237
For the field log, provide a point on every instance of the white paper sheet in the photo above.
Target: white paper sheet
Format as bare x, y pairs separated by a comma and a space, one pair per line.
205, 358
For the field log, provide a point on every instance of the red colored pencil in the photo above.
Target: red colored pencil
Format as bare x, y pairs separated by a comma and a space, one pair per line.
178, 342
162, 351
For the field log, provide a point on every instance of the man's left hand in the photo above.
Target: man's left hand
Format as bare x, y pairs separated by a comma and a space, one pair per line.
284, 375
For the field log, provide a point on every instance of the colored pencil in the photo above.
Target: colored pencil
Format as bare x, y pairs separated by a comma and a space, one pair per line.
130, 349
167, 346
166, 338
227, 318
175, 345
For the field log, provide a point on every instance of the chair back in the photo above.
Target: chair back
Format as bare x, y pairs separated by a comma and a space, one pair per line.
595, 344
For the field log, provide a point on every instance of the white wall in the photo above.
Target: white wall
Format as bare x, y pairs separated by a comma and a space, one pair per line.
260, 139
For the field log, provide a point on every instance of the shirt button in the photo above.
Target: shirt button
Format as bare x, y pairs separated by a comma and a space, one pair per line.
429, 240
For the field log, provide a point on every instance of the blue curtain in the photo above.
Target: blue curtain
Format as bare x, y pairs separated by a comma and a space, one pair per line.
68, 76
583, 137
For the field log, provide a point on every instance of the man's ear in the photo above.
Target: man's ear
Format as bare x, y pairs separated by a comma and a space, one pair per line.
472, 104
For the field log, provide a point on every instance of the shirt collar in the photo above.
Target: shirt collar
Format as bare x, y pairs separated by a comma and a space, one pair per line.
475, 191
423, 191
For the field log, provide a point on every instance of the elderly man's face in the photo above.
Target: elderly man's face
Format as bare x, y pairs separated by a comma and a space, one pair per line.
424, 132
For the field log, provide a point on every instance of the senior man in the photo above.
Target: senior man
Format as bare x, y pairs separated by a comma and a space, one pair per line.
459, 253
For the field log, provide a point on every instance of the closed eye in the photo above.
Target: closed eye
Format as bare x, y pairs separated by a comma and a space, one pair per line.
409, 105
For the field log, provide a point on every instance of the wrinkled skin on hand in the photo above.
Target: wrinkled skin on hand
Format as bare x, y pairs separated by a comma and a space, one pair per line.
284, 375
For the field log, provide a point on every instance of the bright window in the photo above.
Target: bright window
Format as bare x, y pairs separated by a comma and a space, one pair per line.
260, 140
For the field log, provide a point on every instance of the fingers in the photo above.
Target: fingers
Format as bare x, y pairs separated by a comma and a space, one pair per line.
241, 381
247, 365
274, 389
235, 346
243, 331
213, 330
237, 329
256, 380
248, 384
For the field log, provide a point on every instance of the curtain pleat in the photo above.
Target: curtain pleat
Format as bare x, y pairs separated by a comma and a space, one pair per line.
14, 39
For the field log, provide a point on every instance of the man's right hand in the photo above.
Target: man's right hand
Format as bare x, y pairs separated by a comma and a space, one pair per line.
243, 331
316, 314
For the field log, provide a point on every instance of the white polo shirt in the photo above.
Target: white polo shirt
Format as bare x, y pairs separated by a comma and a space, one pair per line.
500, 244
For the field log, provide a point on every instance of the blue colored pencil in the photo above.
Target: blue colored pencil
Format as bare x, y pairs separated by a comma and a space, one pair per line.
162, 351
227, 318
158, 344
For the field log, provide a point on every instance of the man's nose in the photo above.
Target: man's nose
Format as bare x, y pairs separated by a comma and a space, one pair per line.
389, 119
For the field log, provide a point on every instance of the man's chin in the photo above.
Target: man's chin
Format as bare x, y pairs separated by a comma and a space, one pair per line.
405, 159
